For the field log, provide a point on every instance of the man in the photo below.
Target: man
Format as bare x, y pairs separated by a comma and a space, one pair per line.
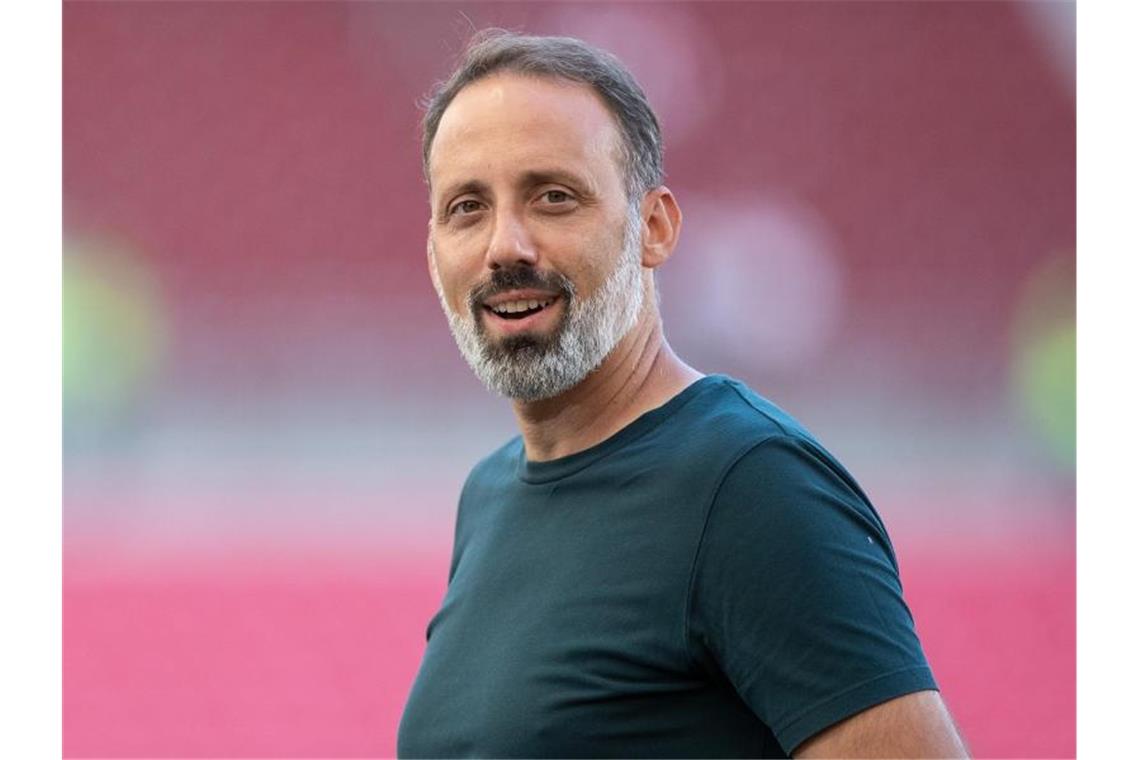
664, 563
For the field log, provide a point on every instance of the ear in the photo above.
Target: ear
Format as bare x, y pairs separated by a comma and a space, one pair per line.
661, 226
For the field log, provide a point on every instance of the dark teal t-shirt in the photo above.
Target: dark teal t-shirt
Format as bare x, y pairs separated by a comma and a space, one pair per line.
707, 582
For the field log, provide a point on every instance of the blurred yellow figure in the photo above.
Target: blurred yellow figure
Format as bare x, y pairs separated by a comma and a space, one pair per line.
114, 331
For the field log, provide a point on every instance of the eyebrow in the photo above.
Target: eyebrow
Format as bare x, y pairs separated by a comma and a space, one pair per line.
558, 176
470, 186
528, 179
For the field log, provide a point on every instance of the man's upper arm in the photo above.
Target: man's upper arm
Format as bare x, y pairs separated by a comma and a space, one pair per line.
914, 725
796, 596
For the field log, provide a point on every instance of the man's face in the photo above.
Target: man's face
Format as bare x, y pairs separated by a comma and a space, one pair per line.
534, 250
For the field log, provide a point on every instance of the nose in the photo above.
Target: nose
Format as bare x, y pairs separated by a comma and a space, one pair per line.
511, 244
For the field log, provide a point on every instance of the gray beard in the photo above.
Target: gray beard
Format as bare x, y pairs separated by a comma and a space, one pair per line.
532, 368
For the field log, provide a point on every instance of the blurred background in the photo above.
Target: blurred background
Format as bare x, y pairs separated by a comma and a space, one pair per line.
267, 423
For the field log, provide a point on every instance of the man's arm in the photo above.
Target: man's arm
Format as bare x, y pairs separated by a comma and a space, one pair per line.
914, 725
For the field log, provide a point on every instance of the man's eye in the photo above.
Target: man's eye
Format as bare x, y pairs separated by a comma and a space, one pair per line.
465, 207
556, 196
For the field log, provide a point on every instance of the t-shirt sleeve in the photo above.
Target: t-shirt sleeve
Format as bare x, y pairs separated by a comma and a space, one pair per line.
796, 597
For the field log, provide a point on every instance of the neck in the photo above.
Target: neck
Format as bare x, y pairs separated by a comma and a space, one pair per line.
640, 374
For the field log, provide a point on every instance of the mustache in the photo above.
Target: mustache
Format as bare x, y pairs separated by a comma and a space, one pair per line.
520, 278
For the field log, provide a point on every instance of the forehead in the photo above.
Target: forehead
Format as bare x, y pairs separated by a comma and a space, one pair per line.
510, 124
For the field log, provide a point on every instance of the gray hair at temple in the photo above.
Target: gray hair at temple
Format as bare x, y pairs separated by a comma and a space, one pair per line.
496, 50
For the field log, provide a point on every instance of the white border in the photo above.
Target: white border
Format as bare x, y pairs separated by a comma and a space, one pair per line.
1108, 211
30, 560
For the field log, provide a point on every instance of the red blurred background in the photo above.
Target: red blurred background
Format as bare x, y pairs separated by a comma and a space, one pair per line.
267, 424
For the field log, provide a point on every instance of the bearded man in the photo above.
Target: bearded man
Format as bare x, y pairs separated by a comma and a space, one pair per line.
663, 563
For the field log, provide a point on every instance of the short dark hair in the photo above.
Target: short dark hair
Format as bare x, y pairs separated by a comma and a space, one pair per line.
496, 50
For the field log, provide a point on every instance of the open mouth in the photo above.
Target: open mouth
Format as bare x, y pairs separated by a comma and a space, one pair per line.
521, 309
522, 313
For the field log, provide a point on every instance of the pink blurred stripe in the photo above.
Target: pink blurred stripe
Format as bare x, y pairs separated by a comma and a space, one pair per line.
269, 656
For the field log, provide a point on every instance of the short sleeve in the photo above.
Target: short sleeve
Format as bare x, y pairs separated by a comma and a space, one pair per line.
796, 596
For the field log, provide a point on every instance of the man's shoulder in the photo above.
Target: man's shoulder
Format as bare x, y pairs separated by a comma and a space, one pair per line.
772, 440
729, 414
500, 463
710, 424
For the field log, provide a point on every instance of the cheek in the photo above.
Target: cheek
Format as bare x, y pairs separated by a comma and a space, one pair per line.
604, 256
448, 280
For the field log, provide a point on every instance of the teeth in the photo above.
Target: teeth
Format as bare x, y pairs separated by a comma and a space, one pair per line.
510, 307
